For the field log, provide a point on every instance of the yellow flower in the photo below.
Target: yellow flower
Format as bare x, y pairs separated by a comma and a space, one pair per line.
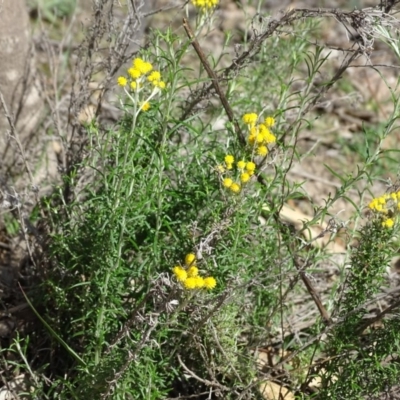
122, 81
205, 5
229, 159
235, 187
381, 200
260, 138
210, 282
154, 76
133, 85
262, 150
134, 73
190, 283
160, 84
373, 204
227, 182
190, 259
147, 67
143, 66
269, 121
268, 136
146, 106
199, 282
244, 177
241, 164
192, 272
137, 62
250, 119
250, 167
388, 223
180, 273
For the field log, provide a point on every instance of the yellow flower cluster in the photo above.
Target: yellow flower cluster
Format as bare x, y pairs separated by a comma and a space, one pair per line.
244, 171
137, 75
189, 276
388, 207
260, 135
205, 5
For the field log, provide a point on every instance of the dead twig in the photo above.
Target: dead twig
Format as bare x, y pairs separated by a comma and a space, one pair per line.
311, 290
215, 81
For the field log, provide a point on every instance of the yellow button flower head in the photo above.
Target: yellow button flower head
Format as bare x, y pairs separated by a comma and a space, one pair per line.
250, 167
381, 200
133, 85
373, 204
235, 187
210, 282
143, 66
250, 119
159, 84
269, 121
192, 271
134, 73
269, 137
244, 177
147, 67
190, 283
262, 150
229, 160
227, 182
146, 106
122, 81
190, 259
154, 76
388, 223
199, 282
180, 273
241, 165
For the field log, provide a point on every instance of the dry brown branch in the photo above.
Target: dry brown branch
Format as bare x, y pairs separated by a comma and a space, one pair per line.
214, 79
311, 290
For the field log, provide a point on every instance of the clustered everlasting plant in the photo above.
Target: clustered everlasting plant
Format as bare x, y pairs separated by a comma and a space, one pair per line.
243, 172
141, 78
190, 277
260, 135
387, 208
